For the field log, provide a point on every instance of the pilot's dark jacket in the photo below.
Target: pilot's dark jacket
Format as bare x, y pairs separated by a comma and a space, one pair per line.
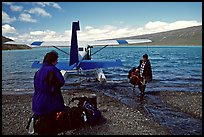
47, 98
147, 73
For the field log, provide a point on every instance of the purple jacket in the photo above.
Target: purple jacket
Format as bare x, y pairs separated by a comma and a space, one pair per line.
47, 98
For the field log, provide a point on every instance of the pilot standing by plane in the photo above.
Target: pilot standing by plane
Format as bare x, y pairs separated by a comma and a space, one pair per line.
141, 75
145, 73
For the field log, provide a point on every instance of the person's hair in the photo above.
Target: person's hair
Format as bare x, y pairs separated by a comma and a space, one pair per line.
145, 56
134, 68
50, 57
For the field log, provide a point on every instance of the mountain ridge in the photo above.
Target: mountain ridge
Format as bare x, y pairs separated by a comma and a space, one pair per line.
185, 36
12, 46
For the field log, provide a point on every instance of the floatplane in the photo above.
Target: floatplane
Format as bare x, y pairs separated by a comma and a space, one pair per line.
81, 56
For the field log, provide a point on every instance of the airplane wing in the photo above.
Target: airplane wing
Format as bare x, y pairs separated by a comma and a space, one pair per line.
50, 43
118, 42
91, 43
93, 64
64, 65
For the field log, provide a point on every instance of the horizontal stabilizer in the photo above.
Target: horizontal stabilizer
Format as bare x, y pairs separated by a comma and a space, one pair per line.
93, 64
65, 65
36, 64
60, 65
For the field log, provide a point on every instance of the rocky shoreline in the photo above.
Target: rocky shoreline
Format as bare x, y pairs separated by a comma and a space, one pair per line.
120, 119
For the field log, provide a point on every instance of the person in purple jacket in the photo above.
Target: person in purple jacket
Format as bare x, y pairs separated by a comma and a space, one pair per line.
47, 99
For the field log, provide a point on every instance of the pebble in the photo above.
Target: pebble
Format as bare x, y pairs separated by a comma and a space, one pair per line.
121, 119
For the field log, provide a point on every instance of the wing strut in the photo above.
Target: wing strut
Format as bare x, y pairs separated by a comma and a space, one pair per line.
99, 49
60, 50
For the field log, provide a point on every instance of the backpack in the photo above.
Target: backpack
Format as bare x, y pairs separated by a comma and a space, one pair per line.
72, 118
90, 113
134, 76
69, 119
135, 80
132, 72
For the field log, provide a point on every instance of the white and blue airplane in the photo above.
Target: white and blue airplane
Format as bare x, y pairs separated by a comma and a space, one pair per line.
80, 56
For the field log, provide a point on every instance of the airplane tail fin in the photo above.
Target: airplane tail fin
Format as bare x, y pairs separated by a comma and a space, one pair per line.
74, 44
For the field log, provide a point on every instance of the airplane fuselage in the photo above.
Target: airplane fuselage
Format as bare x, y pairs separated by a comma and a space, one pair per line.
84, 52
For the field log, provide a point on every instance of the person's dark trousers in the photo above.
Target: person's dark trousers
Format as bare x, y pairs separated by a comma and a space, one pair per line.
142, 90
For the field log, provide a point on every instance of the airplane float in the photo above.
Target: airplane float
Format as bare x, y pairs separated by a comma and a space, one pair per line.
81, 56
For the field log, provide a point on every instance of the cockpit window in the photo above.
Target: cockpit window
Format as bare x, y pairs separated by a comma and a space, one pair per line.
81, 49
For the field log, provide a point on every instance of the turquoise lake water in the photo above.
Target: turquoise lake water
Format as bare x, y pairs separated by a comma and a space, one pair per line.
175, 68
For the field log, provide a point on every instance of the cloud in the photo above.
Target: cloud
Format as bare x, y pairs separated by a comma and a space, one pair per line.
155, 25
47, 35
90, 33
27, 38
26, 18
158, 26
36, 33
8, 3
182, 24
40, 12
8, 29
6, 18
109, 32
52, 4
43, 33
55, 5
16, 8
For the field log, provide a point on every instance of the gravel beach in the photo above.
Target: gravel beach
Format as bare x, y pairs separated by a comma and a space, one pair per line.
119, 118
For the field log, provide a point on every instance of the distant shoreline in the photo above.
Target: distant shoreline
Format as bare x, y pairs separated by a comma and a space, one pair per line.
14, 47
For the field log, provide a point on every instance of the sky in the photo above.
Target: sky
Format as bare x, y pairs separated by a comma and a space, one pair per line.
51, 21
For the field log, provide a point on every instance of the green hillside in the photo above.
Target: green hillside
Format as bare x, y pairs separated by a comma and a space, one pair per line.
12, 46
4, 39
186, 36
